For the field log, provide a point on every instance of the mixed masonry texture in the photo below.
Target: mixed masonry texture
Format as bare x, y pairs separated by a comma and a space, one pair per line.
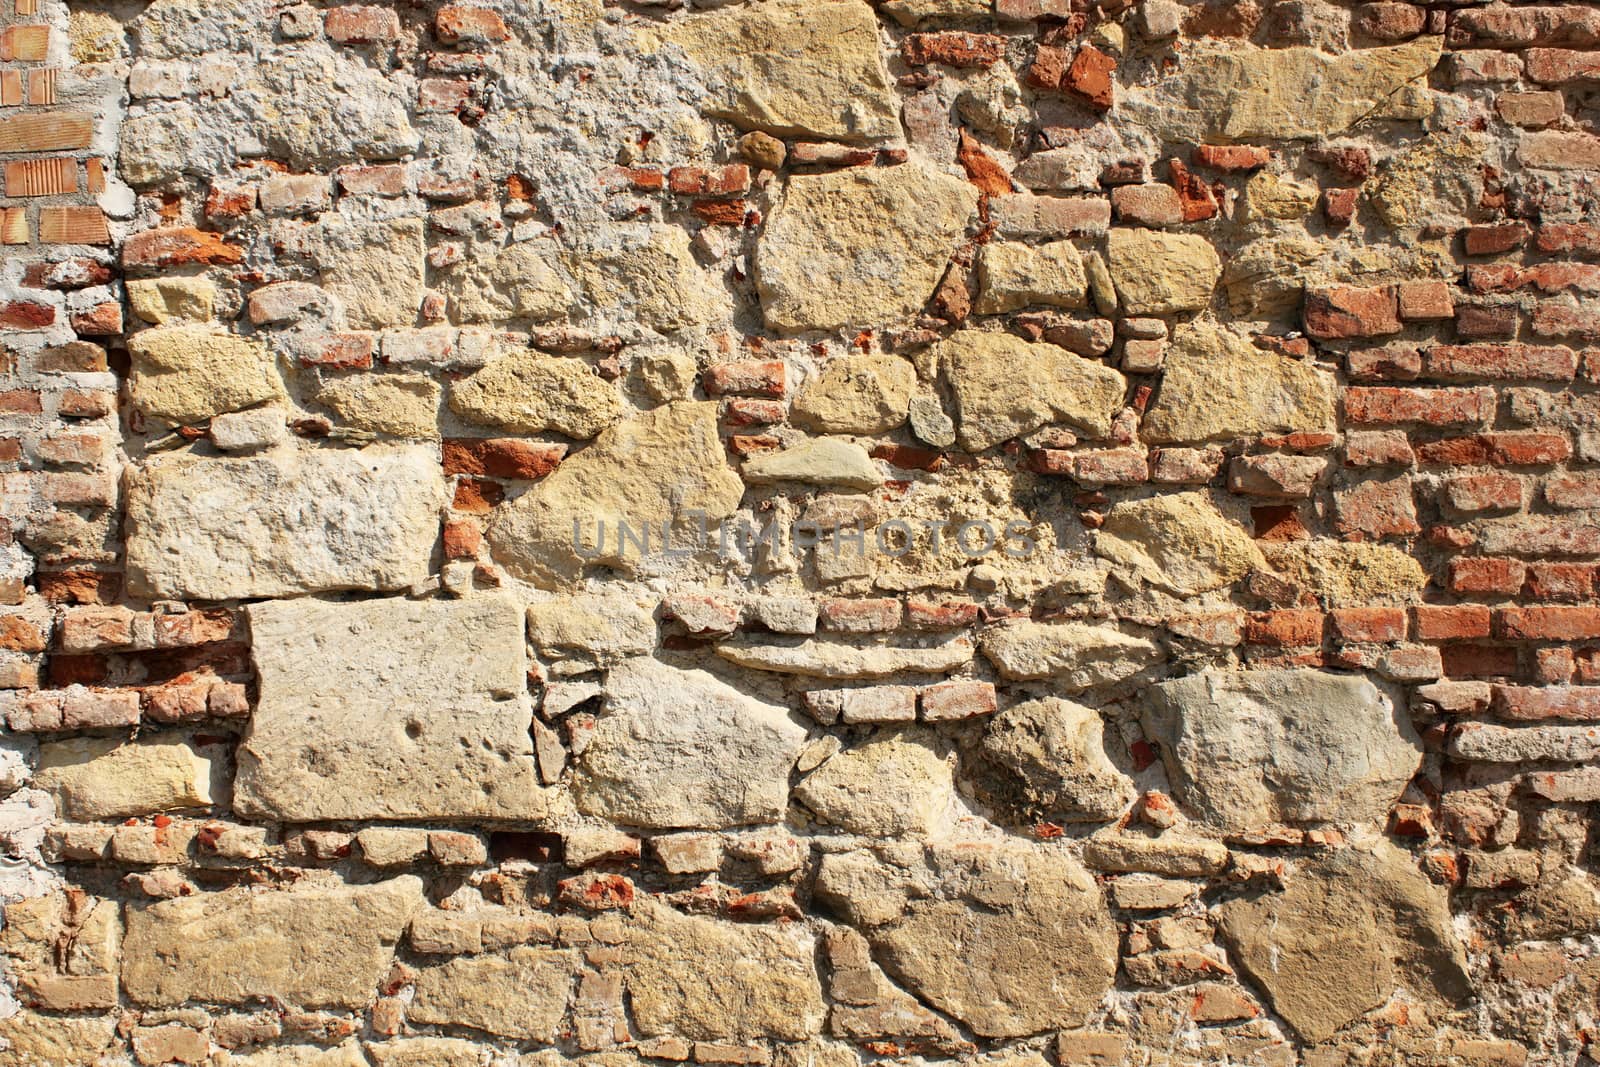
799, 533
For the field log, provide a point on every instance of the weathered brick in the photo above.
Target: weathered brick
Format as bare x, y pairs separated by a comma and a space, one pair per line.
1393, 406
1346, 312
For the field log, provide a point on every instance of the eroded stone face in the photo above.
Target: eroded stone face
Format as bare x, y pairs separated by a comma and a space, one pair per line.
282, 523
1037, 954
857, 394
187, 374
365, 714
1247, 749
859, 245
1076, 656
751, 981
1159, 273
1180, 543
312, 947
528, 392
1216, 386
791, 68
894, 784
1006, 387
679, 748
1369, 917
662, 466
521, 995
103, 778
1052, 757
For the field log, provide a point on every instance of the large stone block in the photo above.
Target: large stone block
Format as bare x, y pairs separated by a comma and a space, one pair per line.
530, 393
521, 995
1217, 386
320, 946
1346, 932
285, 522
114, 778
389, 709
1247, 749
648, 762
1005, 387
794, 68
1158, 273
187, 374
317, 107
861, 246
1075, 655
745, 980
375, 268
893, 784
664, 466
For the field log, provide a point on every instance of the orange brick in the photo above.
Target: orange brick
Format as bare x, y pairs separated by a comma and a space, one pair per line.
27, 7
29, 44
45, 133
13, 226
95, 170
42, 177
42, 88
73, 226
10, 88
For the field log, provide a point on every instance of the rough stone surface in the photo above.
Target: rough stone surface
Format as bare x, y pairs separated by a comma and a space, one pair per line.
363, 716
1005, 387
647, 764
530, 393
187, 374
521, 995
101, 778
310, 948
1158, 273
825, 462
1218, 386
1054, 754
1371, 917
857, 394
1180, 543
894, 784
286, 522
1075, 656
1015, 276
659, 467
1250, 749
791, 68
860, 245
754, 981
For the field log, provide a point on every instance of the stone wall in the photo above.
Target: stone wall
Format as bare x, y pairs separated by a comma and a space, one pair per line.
799, 532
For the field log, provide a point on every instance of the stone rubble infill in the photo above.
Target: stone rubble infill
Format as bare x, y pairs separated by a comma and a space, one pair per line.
799, 533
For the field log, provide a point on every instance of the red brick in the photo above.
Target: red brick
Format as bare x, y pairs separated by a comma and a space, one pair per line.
180, 246
361, 25
19, 635
860, 616
1562, 320
101, 320
1497, 449
85, 403
909, 457
443, 94
1486, 322
1502, 362
1378, 448
26, 315
1534, 704
1571, 25
1459, 622
339, 351
1495, 239
1480, 661
749, 377
1392, 406
385, 180
78, 587
1346, 311
1573, 491
1560, 581
1531, 110
1284, 629
1580, 238
1090, 77
925, 614
1377, 509
74, 272
1349, 163
1199, 202
731, 180
1553, 66
1486, 575
957, 700
1394, 363
501, 457
740, 411
1339, 205
476, 496
1377, 625
1231, 158
1549, 624
227, 202
462, 539
953, 48
1422, 301
463, 24
21, 402
1483, 492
